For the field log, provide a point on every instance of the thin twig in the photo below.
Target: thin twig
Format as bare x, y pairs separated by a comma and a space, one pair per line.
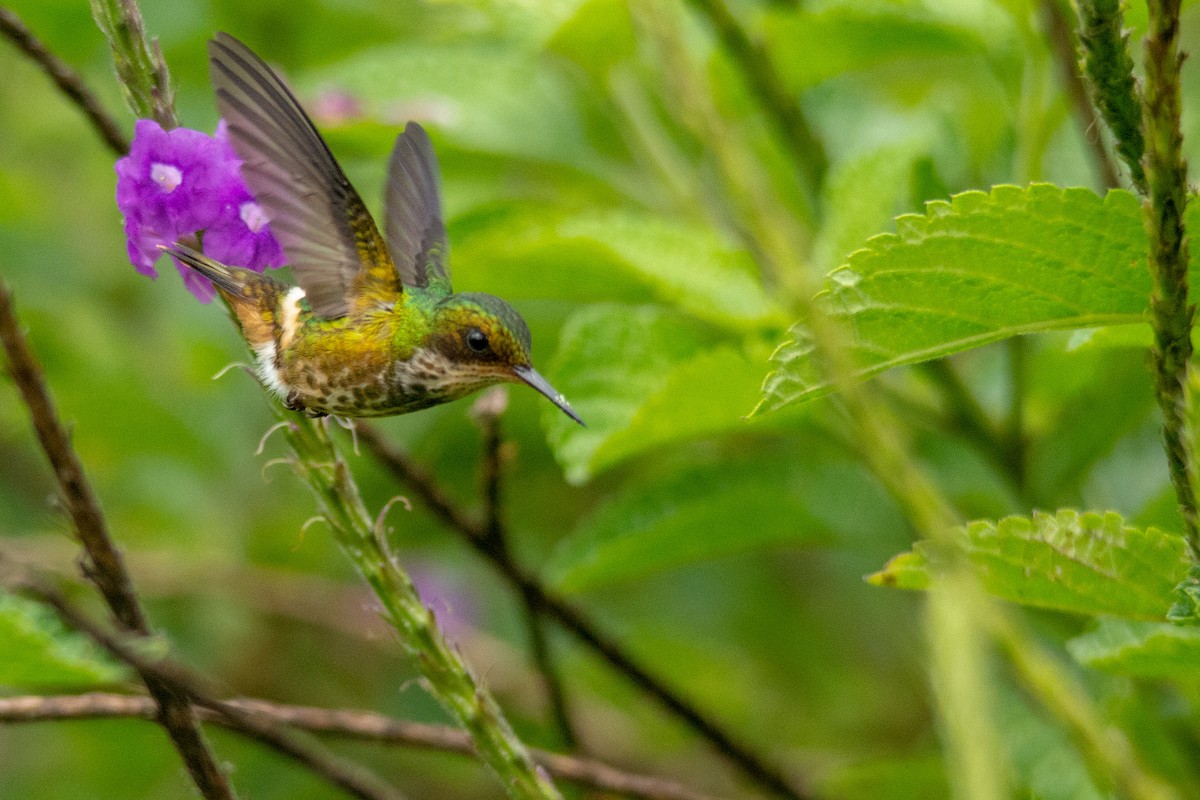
65, 78
357, 725
1171, 312
572, 619
779, 104
1062, 46
488, 411
104, 565
351, 777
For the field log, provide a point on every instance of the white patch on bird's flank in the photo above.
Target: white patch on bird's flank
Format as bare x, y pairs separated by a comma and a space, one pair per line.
290, 313
268, 373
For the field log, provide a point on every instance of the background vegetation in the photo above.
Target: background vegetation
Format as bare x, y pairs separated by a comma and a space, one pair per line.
660, 188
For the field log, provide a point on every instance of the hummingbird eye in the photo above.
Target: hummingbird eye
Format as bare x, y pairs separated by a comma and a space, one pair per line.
477, 340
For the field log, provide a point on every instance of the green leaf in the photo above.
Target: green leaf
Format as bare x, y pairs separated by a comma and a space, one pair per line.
695, 513
861, 196
1087, 563
811, 47
492, 97
538, 252
977, 269
1140, 649
40, 652
610, 360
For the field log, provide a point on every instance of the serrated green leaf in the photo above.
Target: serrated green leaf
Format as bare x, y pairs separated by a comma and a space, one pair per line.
1140, 649
541, 252
1087, 563
978, 269
693, 514
862, 195
39, 652
610, 360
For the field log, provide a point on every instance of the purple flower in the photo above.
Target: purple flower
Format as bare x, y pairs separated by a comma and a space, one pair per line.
180, 183
241, 234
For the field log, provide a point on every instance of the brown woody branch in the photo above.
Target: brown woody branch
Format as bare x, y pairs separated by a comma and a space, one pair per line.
351, 777
65, 78
103, 563
358, 725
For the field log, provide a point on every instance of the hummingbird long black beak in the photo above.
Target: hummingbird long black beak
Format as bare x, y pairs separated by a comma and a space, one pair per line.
531, 376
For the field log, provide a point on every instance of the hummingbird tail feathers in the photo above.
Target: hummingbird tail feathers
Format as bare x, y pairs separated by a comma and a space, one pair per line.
253, 298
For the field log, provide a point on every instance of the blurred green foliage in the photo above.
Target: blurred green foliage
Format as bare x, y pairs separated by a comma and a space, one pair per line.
728, 554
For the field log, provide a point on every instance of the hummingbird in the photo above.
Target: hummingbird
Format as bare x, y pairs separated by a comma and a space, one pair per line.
373, 329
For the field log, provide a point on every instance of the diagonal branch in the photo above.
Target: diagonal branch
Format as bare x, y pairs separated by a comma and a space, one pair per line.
779, 104
487, 411
352, 778
572, 619
104, 565
65, 78
358, 725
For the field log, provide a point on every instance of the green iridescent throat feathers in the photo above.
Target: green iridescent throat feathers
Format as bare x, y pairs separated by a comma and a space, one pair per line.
374, 328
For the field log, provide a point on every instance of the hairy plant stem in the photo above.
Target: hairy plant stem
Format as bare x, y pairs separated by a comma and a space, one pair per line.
320, 465
1105, 61
103, 563
572, 619
141, 70
965, 706
1166, 197
1056, 14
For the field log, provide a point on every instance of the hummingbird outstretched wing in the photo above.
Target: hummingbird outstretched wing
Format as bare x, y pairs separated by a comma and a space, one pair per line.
416, 233
331, 242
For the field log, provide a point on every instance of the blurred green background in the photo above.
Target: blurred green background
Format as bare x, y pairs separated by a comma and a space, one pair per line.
726, 554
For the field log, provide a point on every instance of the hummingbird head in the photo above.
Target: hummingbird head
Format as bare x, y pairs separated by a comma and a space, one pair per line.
485, 340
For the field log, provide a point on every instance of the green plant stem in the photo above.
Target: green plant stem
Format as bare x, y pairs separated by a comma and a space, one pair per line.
141, 70
320, 465
971, 749
1109, 754
1055, 14
1104, 58
779, 104
1171, 313
574, 620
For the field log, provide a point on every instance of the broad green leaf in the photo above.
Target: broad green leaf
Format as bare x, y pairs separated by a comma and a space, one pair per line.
694, 513
610, 360
544, 253
811, 47
977, 269
1087, 563
700, 397
495, 97
1141, 649
39, 652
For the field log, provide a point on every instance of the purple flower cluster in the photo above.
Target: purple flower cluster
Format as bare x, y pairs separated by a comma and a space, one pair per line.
182, 183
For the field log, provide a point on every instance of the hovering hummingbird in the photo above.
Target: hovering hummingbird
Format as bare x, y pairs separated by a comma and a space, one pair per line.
374, 328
